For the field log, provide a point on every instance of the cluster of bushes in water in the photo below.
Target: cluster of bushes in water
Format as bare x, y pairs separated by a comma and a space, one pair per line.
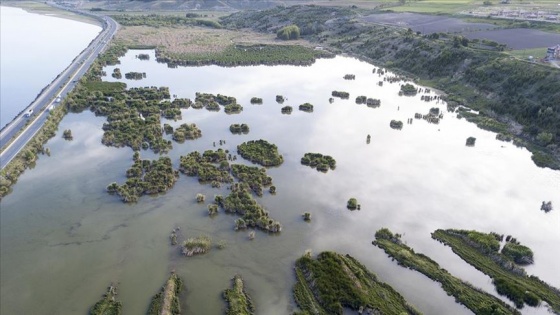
255, 177
253, 215
261, 152
341, 94
319, 161
370, 102
196, 245
186, 132
145, 177
286, 110
212, 103
396, 124
239, 128
306, 107
204, 166
135, 75
256, 100
117, 73
408, 90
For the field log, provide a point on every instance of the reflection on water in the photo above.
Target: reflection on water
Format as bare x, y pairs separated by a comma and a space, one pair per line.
63, 239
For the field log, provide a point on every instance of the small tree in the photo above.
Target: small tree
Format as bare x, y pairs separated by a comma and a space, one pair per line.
289, 32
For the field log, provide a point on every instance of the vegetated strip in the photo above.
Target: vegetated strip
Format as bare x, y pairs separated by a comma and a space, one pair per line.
473, 298
166, 301
108, 305
238, 301
331, 282
509, 279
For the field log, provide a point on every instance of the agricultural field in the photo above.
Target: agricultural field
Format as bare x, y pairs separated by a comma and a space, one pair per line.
518, 38
427, 24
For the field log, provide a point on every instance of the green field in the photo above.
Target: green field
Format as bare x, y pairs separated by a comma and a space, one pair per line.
537, 53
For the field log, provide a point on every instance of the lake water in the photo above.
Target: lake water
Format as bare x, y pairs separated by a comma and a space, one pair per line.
64, 239
35, 49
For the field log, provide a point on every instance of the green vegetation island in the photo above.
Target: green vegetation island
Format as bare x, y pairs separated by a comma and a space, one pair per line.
253, 215
108, 305
306, 107
210, 166
239, 129
196, 245
478, 301
237, 299
166, 301
506, 92
332, 282
319, 161
481, 250
145, 177
261, 152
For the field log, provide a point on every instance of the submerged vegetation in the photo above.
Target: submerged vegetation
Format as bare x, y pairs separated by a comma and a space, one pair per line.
166, 301
478, 301
261, 152
108, 305
238, 301
480, 250
332, 282
321, 162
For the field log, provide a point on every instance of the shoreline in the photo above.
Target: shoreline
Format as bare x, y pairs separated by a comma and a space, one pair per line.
47, 10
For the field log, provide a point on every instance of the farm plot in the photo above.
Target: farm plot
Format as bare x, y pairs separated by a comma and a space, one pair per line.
517, 38
427, 24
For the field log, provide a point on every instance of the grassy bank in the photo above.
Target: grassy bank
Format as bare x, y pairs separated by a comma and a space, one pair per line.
507, 91
509, 279
332, 282
473, 298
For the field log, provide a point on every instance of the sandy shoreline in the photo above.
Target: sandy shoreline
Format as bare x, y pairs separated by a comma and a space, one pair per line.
44, 9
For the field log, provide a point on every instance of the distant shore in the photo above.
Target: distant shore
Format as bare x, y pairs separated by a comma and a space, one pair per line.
45, 9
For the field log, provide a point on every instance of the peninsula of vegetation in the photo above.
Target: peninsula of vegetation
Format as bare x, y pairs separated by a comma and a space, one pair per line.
481, 250
473, 298
166, 301
238, 301
332, 282
108, 305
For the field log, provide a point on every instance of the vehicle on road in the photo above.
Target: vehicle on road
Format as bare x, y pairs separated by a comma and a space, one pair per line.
28, 113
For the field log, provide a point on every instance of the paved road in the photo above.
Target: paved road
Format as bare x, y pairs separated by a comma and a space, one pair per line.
63, 84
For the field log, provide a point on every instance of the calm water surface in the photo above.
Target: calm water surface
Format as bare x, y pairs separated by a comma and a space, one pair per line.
35, 49
63, 239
